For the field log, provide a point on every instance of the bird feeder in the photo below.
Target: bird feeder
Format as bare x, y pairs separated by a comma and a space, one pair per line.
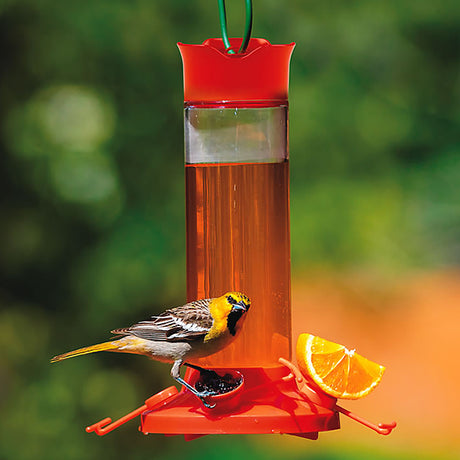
237, 215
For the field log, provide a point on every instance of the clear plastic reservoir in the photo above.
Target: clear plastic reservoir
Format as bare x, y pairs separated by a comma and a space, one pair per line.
237, 212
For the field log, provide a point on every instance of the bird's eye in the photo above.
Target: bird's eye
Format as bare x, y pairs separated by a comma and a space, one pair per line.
231, 300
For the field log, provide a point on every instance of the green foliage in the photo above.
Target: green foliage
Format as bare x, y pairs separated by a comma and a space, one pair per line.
91, 177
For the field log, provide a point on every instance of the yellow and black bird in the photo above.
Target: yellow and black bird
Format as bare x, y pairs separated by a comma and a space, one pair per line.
194, 330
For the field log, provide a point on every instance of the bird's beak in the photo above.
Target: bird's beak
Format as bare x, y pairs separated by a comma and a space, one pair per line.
240, 306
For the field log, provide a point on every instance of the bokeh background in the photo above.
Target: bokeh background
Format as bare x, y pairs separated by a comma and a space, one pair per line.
92, 213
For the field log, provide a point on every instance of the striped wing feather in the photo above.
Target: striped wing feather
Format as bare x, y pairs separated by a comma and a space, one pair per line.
188, 322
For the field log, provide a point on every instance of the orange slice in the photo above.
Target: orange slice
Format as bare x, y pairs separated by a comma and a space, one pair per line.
338, 371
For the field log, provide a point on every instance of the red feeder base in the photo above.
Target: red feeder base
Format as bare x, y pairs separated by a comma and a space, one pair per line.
266, 402
271, 400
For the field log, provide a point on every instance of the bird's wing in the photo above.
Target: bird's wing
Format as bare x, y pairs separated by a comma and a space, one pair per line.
181, 324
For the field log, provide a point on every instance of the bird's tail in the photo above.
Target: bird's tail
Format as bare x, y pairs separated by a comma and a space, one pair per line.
106, 346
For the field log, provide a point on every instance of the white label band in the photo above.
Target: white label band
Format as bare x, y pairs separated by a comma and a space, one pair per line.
236, 135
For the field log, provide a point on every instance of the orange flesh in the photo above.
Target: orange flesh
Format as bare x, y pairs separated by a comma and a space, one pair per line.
335, 369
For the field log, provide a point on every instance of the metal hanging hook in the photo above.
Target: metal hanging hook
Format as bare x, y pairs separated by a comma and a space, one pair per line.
247, 28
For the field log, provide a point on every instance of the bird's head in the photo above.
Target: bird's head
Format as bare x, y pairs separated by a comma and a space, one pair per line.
236, 306
228, 313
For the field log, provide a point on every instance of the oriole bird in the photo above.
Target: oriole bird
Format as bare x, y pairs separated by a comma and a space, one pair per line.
194, 330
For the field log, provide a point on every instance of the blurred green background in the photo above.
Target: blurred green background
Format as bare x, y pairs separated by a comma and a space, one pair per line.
92, 188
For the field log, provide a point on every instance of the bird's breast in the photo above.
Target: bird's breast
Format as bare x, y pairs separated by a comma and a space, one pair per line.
159, 350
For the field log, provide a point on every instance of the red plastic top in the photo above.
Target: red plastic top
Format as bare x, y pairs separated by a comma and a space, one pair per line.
258, 75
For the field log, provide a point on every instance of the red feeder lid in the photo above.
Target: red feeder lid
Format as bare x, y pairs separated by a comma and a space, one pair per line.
259, 74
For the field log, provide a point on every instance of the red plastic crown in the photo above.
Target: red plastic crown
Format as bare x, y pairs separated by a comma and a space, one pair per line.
259, 74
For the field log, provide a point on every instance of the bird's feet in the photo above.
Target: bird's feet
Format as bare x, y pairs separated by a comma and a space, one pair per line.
202, 395
200, 392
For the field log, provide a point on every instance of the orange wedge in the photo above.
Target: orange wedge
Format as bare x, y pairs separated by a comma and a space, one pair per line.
335, 369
